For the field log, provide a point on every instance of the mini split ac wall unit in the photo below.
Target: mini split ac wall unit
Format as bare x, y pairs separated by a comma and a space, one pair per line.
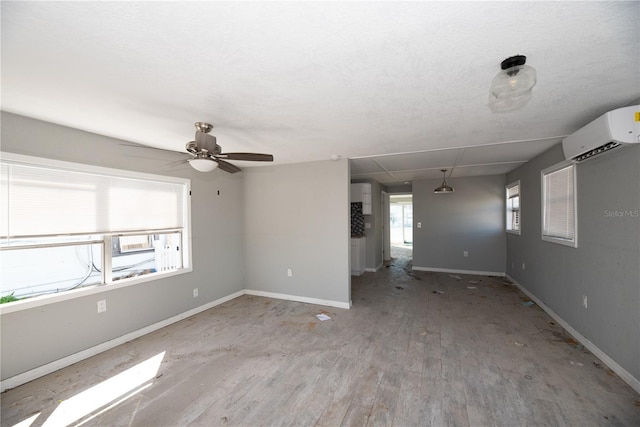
614, 129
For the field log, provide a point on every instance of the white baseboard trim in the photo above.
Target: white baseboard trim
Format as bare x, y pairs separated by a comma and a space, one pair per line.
615, 367
43, 370
329, 303
373, 270
448, 270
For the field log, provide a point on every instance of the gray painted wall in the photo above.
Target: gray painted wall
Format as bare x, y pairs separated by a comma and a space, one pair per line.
38, 336
471, 219
297, 216
604, 266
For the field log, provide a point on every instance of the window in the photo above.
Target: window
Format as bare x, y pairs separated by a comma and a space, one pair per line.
559, 205
65, 226
513, 207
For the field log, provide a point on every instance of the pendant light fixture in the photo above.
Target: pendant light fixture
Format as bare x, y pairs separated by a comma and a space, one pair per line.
444, 188
515, 79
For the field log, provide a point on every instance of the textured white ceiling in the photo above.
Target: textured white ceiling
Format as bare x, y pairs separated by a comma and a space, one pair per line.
306, 80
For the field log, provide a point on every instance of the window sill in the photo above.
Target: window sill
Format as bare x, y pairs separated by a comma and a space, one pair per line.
42, 300
570, 243
517, 232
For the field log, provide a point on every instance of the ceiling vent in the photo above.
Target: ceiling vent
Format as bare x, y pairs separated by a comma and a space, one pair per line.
611, 130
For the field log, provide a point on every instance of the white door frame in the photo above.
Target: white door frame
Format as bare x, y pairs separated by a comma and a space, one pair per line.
386, 231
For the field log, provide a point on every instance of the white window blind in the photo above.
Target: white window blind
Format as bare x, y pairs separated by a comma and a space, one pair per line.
513, 191
39, 200
559, 215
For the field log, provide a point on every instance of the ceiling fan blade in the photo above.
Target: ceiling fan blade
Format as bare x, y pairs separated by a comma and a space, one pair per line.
147, 147
226, 166
252, 157
177, 162
206, 141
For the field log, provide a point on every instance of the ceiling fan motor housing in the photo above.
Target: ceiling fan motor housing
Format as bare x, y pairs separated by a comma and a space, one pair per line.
191, 147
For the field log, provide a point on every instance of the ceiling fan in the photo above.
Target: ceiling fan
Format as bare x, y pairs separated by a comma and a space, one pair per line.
207, 155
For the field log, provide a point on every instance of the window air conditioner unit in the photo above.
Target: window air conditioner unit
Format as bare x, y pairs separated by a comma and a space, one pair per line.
611, 130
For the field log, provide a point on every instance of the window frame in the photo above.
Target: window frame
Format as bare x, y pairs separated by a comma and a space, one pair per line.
552, 239
507, 211
109, 285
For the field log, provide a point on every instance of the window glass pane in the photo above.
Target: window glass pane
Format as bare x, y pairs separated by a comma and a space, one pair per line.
161, 252
37, 271
4, 199
126, 244
56, 217
515, 202
396, 219
513, 207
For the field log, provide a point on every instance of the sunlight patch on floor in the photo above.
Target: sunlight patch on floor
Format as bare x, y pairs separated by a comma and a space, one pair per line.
28, 421
127, 384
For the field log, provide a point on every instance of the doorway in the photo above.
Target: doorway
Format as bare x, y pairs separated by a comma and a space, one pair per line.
401, 225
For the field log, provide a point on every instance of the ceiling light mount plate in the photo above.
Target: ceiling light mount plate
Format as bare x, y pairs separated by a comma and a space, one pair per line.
511, 62
204, 127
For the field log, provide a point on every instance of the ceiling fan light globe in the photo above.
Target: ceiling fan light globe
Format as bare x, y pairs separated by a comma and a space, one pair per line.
203, 165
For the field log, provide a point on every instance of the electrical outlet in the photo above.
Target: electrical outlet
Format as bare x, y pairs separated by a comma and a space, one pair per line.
419, 225
102, 306
523, 265
289, 272
513, 265
195, 292
466, 254
584, 301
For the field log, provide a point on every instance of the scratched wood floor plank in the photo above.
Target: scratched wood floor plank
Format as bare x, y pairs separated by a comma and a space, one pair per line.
416, 349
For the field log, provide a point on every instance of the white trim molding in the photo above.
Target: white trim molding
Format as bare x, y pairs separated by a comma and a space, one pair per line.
373, 270
450, 270
43, 370
316, 301
615, 367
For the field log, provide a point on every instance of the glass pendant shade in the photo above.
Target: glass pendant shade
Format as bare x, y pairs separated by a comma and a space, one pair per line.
444, 188
203, 165
515, 79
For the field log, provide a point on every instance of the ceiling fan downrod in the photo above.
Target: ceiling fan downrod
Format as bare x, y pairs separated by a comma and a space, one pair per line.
203, 127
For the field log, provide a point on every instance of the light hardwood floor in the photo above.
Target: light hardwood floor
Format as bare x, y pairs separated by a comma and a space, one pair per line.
402, 356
